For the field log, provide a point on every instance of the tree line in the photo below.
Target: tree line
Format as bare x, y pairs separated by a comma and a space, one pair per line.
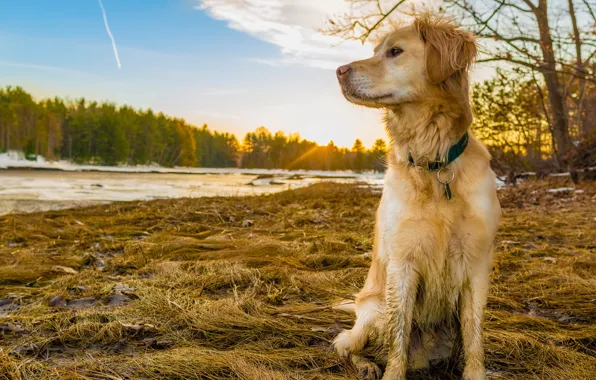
101, 133
511, 117
84, 131
262, 149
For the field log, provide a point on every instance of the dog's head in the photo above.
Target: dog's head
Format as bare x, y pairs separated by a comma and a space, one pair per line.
428, 58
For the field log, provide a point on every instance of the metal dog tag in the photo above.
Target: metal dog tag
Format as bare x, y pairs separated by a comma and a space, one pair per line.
446, 182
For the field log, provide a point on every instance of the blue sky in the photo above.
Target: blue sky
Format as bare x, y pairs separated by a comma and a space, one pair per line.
235, 65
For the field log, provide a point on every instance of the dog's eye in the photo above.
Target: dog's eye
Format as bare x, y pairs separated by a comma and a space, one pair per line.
394, 52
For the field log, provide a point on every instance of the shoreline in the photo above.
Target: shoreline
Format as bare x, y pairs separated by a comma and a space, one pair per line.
14, 162
193, 171
30, 190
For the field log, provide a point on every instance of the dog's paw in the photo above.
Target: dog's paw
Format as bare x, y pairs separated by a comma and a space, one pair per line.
391, 375
368, 371
343, 343
418, 359
419, 362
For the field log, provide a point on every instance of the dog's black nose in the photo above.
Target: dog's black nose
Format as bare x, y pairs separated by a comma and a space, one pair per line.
343, 70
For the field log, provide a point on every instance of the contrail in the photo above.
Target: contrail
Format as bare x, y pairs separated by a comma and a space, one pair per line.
105, 21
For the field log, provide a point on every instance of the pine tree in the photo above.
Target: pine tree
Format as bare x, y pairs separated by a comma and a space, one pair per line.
359, 156
378, 155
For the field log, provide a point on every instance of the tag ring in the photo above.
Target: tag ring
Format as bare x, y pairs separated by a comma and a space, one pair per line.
451, 177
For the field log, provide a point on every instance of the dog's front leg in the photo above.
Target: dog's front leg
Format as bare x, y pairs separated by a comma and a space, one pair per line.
473, 301
402, 284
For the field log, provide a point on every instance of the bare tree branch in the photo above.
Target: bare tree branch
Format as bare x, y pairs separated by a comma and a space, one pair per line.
590, 10
348, 27
511, 39
485, 25
580, 66
485, 22
519, 8
383, 18
530, 4
546, 114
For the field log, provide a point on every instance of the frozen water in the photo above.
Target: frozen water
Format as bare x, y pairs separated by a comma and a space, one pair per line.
40, 190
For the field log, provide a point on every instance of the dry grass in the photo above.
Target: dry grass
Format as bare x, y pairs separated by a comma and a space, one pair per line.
241, 287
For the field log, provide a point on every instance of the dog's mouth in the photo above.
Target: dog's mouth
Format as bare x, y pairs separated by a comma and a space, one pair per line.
357, 97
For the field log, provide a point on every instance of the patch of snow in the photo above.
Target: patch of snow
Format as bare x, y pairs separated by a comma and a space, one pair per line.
500, 183
39, 190
509, 242
261, 182
561, 190
16, 160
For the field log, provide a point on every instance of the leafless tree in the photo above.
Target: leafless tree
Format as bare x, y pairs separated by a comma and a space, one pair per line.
367, 17
554, 39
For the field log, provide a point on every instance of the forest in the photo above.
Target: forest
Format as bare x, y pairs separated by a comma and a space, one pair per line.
510, 117
103, 133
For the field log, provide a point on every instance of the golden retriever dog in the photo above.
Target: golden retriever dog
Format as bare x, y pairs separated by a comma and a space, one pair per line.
439, 212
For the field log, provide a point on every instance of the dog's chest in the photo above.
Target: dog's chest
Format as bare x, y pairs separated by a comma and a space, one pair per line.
428, 239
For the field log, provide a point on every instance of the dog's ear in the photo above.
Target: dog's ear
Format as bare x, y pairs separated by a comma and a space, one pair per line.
449, 50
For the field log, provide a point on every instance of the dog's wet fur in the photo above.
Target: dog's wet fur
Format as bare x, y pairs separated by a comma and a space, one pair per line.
428, 282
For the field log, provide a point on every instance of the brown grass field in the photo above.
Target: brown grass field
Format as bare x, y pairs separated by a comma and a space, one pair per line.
241, 288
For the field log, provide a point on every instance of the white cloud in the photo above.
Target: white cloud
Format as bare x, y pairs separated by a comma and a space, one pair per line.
291, 25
